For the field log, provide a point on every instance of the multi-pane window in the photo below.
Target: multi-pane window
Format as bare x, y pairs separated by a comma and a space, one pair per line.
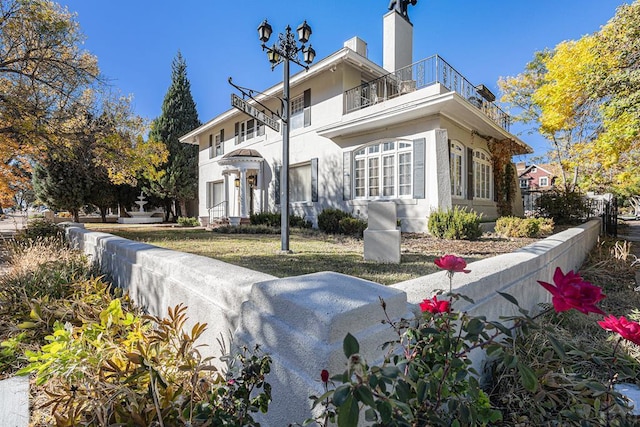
247, 130
456, 156
383, 170
219, 143
524, 183
296, 114
482, 175
544, 181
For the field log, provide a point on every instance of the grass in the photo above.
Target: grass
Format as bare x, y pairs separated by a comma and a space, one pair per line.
312, 252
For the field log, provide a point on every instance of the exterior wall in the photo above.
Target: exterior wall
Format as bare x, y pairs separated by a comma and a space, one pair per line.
301, 321
486, 207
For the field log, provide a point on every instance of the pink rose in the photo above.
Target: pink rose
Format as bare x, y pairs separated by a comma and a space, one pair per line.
571, 291
434, 305
625, 328
452, 263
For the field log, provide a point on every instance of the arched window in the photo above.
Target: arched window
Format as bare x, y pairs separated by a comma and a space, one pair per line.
383, 170
456, 168
482, 176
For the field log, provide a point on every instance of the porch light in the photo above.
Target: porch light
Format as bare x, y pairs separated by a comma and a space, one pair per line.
304, 32
264, 31
237, 182
252, 180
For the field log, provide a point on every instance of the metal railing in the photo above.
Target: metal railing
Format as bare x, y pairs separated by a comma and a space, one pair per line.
218, 211
417, 76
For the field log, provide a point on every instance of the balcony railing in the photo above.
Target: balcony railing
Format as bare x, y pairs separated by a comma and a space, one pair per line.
417, 76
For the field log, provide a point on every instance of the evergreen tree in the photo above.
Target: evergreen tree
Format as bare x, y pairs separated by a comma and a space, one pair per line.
64, 183
179, 184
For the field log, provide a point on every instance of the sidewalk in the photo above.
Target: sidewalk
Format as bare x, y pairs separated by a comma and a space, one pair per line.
11, 224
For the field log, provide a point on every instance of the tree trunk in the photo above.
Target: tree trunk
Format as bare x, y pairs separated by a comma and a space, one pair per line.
103, 213
76, 215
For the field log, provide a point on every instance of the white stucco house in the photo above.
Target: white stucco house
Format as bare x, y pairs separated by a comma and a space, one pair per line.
415, 134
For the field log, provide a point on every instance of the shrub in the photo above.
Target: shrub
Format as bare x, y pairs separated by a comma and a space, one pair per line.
329, 220
184, 221
564, 207
455, 224
123, 368
39, 228
273, 219
428, 378
509, 226
352, 226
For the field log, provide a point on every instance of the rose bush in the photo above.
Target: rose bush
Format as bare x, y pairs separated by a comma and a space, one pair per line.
427, 377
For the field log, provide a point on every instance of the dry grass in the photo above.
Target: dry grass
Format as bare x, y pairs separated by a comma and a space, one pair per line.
314, 251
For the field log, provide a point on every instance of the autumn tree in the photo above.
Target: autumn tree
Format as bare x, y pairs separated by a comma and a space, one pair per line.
584, 96
179, 183
43, 71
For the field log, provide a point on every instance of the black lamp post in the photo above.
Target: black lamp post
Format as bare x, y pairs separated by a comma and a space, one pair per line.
286, 49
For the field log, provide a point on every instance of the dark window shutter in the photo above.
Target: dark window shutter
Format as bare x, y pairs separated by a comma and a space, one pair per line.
210, 141
307, 107
276, 182
237, 134
418, 168
469, 173
314, 179
346, 175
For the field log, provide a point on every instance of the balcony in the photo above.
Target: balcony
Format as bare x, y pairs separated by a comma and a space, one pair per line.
420, 75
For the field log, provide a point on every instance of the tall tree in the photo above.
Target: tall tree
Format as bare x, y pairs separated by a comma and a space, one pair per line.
585, 98
179, 184
43, 71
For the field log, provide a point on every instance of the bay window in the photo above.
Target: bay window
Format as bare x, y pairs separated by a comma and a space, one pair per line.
383, 170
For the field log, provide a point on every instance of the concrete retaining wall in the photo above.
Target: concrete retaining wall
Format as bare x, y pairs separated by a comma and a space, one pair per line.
301, 321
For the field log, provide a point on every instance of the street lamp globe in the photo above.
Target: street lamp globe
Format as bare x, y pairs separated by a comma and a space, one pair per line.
304, 32
264, 31
309, 54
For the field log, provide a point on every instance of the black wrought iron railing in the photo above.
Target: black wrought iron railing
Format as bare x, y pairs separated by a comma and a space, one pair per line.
417, 76
218, 211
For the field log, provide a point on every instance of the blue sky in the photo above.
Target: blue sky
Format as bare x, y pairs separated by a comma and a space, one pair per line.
136, 40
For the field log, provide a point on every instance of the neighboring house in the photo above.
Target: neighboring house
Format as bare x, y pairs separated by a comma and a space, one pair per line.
413, 134
536, 176
533, 180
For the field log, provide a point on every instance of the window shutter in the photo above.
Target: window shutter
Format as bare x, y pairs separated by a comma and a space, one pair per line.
314, 179
307, 107
418, 168
276, 181
469, 173
221, 141
237, 133
346, 175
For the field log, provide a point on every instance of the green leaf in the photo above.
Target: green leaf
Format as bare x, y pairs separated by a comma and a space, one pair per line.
370, 415
341, 394
557, 346
384, 408
350, 345
509, 298
348, 413
364, 395
527, 377
26, 325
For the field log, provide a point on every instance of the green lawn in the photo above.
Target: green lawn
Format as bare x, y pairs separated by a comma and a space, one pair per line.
312, 252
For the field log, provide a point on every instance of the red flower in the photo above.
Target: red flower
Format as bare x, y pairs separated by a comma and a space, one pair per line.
452, 264
324, 376
571, 291
434, 305
627, 329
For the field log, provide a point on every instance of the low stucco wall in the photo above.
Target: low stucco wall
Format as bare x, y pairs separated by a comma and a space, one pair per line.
301, 321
